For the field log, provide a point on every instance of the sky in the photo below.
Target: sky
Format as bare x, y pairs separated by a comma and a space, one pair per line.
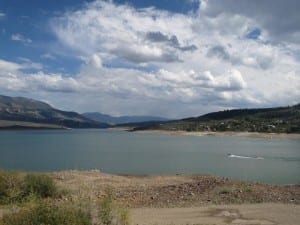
170, 58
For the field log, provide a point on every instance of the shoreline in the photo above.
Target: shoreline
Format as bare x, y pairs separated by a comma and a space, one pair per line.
30, 126
145, 176
181, 199
189, 199
222, 134
176, 190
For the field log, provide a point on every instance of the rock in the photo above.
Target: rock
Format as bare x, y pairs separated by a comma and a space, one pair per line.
191, 194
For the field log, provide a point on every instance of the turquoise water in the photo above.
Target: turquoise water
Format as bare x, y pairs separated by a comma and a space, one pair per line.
263, 160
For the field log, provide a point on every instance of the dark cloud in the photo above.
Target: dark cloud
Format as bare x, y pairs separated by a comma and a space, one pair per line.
279, 18
218, 51
172, 41
136, 55
159, 37
188, 48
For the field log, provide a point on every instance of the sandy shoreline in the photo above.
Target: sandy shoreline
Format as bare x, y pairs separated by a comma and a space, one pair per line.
223, 134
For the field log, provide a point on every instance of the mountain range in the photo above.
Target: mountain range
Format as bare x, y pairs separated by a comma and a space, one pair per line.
121, 119
19, 112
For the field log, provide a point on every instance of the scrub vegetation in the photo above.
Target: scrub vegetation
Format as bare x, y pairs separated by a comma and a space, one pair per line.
34, 199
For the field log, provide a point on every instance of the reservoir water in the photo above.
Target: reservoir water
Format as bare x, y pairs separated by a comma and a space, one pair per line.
254, 159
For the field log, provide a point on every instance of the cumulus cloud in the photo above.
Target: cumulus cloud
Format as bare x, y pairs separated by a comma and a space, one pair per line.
279, 19
144, 54
7, 66
13, 78
218, 51
93, 78
171, 41
224, 55
21, 38
252, 55
128, 36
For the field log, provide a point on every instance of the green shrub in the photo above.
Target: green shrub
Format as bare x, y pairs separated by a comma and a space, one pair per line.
10, 187
110, 213
123, 216
40, 185
47, 213
14, 187
225, 190
106, 208
246, 188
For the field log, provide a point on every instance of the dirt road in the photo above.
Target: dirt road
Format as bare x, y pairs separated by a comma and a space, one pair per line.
246, 214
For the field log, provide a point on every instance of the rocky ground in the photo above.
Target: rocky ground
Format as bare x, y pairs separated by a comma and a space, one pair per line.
173, 190
180, 199
186, 199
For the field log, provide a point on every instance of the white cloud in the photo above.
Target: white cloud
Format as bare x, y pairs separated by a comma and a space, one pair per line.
48, 56
28, 64
278, 19
7, 66
21, 38
122, 36
12, 78
149, 61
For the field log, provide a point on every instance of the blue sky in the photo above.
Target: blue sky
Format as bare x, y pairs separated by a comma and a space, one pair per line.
30, 19
172, 58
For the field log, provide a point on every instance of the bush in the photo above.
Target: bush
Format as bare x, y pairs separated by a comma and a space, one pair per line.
10, 184
225, 190
110, 213
47, 213
42, 186
106, 209
123, 216
14, 187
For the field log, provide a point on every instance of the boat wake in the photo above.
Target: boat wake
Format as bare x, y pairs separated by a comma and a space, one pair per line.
243, 157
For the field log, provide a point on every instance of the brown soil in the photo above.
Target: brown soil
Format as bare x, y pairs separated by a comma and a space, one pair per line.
183, 199
254, 214
173, 190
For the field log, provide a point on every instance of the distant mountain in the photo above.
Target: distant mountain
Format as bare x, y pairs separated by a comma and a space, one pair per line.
278, 120
122, 119
27, 111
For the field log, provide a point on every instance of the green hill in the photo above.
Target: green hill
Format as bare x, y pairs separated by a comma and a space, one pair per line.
278, 120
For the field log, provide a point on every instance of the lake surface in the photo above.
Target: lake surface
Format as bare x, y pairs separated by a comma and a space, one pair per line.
254, 159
